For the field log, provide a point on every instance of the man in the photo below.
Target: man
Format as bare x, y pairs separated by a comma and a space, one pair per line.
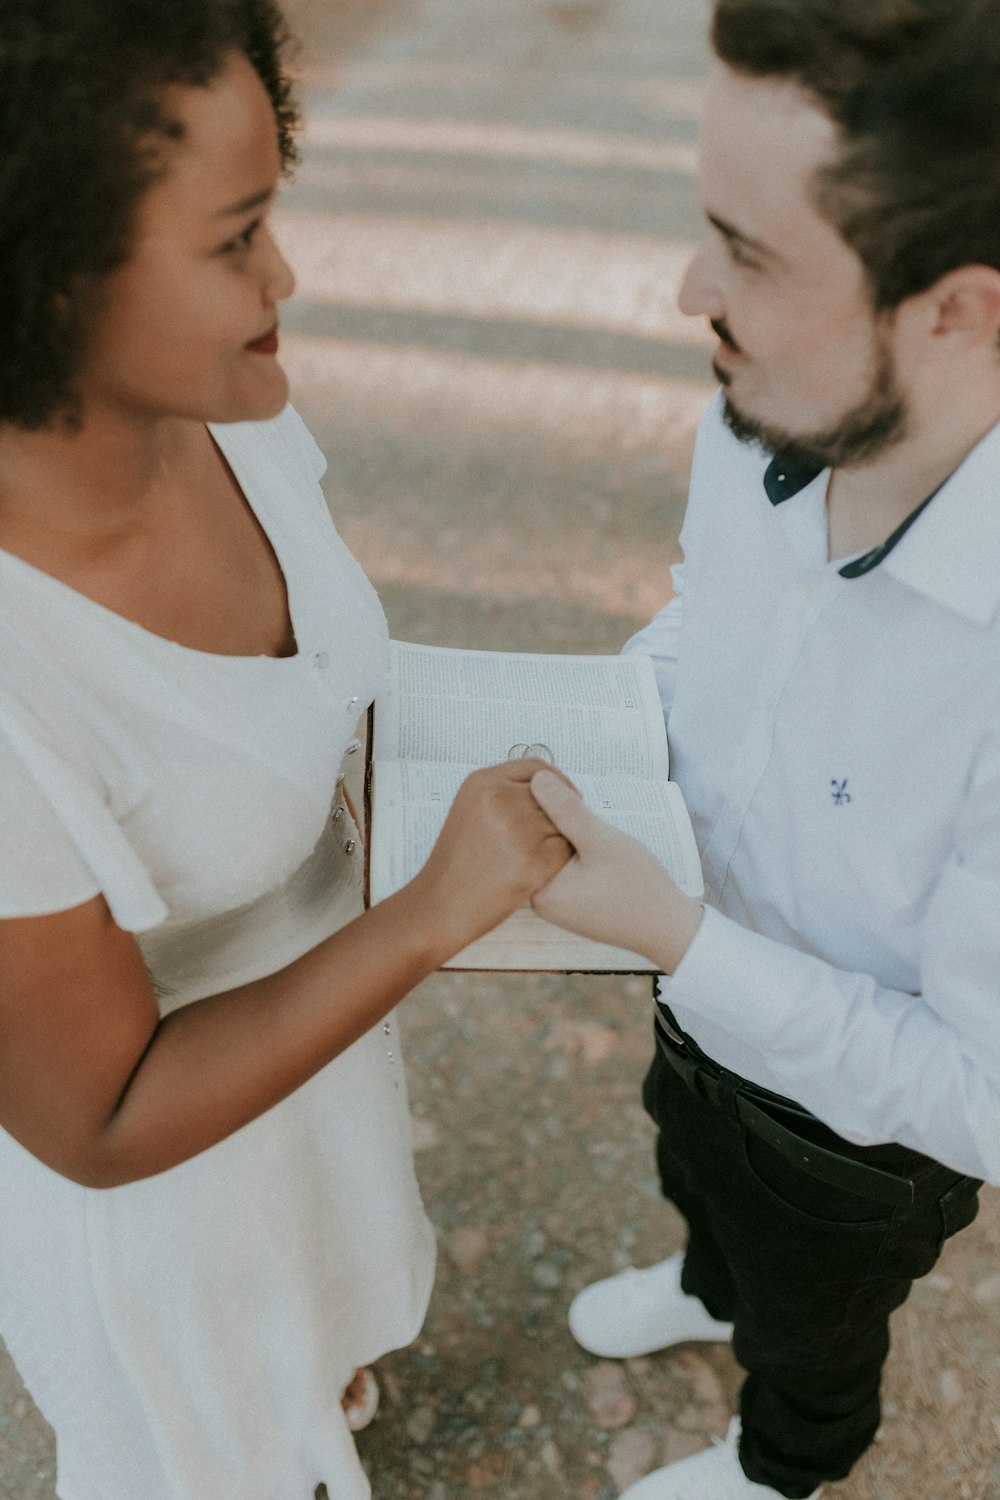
827, 1073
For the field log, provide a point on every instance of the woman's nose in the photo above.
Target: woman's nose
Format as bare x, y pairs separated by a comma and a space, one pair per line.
281, 277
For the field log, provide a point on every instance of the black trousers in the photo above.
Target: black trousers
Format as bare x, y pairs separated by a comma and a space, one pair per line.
807, 1273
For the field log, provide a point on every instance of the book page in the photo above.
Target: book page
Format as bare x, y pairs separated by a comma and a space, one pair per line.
527, 944
590, 714
654, 813
413, 799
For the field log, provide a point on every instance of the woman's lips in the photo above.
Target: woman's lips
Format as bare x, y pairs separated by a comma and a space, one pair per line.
266, 345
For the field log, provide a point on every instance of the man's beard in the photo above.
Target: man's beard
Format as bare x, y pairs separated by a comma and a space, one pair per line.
860, 435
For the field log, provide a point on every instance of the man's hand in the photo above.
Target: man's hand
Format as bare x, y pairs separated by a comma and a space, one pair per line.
613, 889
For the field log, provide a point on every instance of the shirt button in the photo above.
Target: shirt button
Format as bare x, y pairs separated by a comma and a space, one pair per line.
321, 659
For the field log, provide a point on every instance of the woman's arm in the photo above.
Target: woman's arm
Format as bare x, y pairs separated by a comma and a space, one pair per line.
95, 1085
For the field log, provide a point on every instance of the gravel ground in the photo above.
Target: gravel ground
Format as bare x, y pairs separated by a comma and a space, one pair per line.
489, 224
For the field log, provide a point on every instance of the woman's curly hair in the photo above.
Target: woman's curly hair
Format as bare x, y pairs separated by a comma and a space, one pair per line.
82, 93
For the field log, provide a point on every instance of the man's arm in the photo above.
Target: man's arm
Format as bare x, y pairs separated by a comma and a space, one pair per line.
660, 640
873, 1063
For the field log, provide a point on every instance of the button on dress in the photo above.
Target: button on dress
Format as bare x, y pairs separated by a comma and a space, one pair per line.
189, 1336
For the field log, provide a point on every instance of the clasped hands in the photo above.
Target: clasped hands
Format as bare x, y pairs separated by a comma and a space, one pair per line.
544, 845
611, 888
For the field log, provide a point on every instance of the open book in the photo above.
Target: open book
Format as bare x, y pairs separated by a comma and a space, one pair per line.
447, 712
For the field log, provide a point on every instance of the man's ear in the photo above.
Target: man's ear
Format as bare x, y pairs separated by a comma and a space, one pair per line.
965, 305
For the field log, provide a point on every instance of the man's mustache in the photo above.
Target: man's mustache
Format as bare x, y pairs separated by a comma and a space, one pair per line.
721, 328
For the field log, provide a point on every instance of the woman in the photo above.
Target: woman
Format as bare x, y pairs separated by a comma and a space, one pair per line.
210, 1214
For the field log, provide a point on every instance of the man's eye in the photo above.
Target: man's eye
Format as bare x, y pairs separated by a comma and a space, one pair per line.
742, 257
734, 247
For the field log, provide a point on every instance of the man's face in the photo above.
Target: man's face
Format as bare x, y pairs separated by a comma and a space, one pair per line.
807, 365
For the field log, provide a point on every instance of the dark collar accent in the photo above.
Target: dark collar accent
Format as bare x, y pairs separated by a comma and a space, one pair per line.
872, 559
783, 479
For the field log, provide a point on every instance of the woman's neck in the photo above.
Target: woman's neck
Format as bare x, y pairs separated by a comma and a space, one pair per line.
93, 482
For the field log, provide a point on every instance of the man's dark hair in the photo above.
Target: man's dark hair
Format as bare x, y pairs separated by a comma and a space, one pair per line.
82, 95
914, 86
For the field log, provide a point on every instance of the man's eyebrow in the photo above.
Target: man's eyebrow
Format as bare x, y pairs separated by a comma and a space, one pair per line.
736, 236
254, 201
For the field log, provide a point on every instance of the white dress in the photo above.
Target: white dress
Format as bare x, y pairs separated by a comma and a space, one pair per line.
189, 1336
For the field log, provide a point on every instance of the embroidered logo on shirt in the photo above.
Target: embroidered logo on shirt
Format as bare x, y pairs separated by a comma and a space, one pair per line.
841, 796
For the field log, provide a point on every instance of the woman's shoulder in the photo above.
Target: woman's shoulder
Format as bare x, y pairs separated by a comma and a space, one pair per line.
285, 436
42, 870
63, 842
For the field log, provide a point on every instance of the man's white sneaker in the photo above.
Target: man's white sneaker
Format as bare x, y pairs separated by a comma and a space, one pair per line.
637, 1312
712, 1475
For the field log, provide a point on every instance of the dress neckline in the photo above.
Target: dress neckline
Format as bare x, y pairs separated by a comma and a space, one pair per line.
124, 622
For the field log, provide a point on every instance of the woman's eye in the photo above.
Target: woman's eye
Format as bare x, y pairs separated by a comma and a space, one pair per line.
244, 240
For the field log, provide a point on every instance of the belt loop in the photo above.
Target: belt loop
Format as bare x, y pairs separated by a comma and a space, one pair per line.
728, 1087
765, 1114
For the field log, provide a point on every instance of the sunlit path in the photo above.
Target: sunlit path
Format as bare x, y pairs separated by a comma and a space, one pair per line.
575, 279
578, 148
452, 409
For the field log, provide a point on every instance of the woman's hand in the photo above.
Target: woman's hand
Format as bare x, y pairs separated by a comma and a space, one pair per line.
613, 889
496, 849
103, 1090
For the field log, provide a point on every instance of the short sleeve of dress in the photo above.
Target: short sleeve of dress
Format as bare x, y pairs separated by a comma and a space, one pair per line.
61, 844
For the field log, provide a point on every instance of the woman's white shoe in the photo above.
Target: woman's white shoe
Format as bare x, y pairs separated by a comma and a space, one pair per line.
638, 1312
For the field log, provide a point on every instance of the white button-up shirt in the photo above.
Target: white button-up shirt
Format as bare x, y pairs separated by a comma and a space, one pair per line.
837, 741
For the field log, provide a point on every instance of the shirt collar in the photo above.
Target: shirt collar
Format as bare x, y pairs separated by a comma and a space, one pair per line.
953, 556
784, 477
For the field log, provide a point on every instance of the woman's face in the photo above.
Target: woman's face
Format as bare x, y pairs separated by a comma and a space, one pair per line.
188, 326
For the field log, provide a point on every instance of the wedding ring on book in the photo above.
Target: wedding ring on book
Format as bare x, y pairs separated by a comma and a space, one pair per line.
523, 751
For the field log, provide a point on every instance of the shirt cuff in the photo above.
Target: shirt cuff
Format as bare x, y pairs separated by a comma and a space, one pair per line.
874, 1064
728, 993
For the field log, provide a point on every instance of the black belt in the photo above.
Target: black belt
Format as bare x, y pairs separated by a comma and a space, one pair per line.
762, 1112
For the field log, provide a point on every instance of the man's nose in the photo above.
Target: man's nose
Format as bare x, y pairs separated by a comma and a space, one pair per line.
699, 296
